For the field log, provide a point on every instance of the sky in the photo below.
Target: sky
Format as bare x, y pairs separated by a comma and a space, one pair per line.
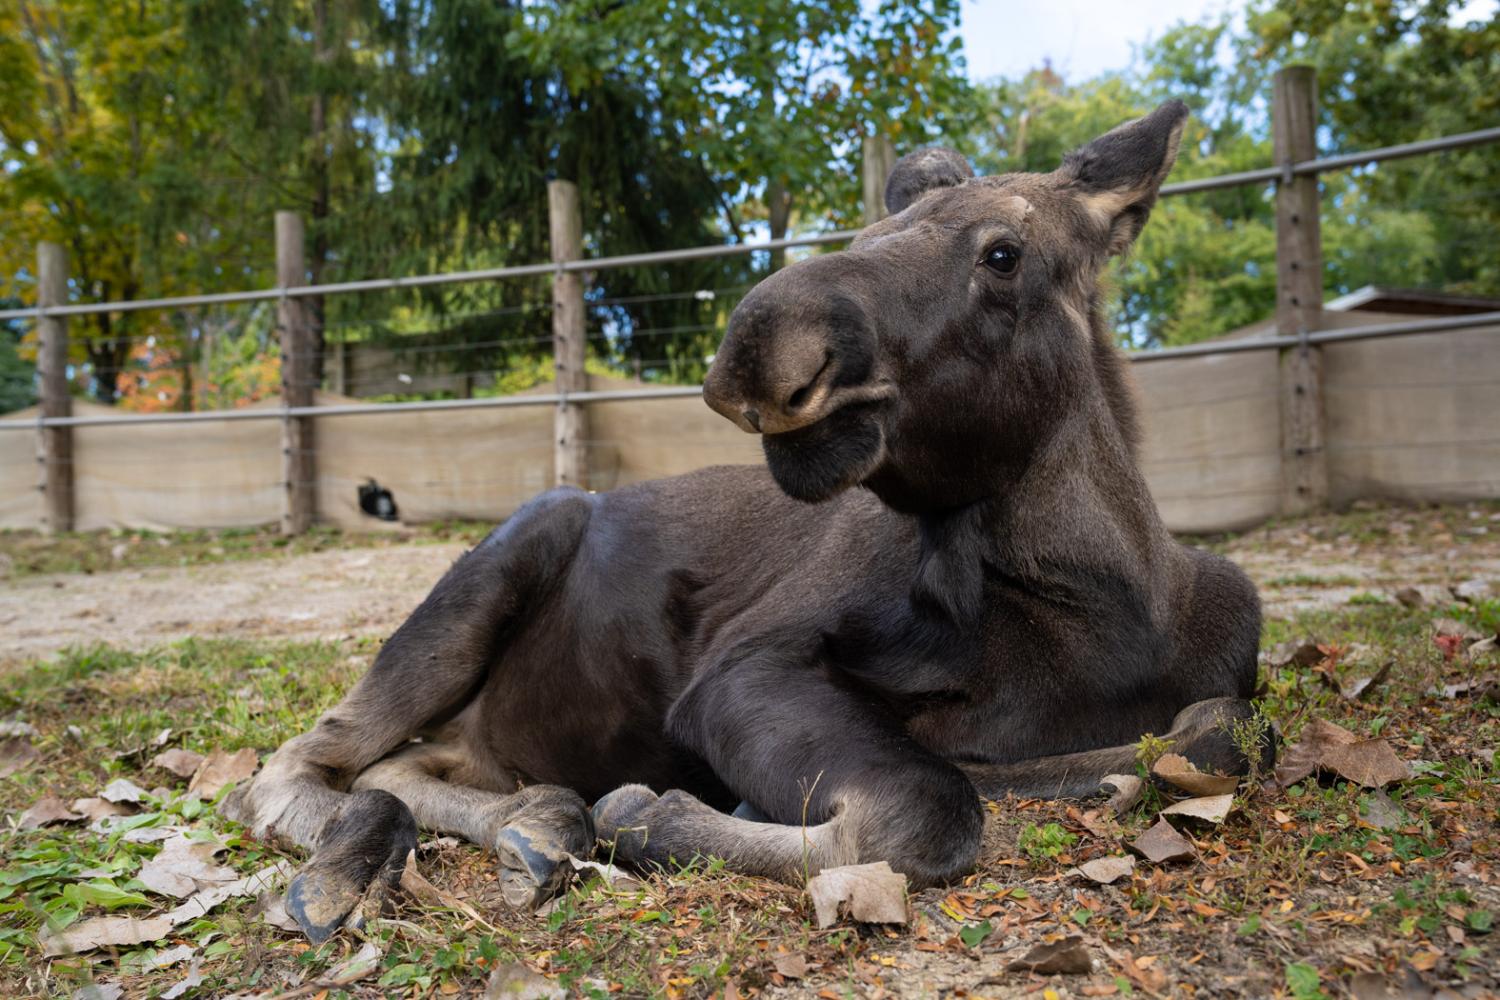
1085, 37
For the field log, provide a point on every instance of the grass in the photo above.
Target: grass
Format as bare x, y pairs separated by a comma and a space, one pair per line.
31, 553
1293, 895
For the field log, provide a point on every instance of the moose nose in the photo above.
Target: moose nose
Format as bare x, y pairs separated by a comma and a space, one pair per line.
774, 385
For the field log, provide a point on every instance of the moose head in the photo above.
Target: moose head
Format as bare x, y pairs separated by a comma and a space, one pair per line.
934, 358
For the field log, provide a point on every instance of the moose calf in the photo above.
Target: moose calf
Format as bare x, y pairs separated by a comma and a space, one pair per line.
949, 581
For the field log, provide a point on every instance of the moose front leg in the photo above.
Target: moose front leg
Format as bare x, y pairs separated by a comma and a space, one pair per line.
835, 772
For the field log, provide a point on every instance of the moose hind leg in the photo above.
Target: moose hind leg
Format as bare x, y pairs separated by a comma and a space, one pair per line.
1203, 733
531, 830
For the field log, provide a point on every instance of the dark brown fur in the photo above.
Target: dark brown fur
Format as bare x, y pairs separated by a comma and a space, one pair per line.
997, 608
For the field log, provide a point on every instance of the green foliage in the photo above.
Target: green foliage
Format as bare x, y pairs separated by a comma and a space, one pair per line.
17, 374
155, 140
1150, 748
1043, 843
1303, 981
972, 935
1387, 74
1252, 737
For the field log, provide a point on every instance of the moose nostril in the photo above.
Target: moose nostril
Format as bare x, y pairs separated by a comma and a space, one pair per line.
752, 417
796, 400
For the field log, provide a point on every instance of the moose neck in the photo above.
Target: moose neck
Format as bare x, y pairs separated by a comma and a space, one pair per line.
1079, 507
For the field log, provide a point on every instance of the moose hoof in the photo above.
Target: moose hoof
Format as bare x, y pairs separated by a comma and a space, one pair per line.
621, 819
529, 876
359, 860
533, 847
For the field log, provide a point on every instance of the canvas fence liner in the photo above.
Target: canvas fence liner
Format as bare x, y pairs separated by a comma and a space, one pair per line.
1415, 417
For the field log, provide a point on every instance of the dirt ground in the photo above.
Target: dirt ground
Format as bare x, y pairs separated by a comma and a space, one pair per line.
319, 595
1319, 885
341, 593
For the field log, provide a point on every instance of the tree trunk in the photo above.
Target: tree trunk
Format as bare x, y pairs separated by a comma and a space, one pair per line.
779, 211
322, 55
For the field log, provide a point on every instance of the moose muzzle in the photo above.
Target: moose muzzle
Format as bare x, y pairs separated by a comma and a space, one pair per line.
794, 353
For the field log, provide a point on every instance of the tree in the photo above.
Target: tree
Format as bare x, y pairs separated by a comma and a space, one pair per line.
17, 374
1206, 264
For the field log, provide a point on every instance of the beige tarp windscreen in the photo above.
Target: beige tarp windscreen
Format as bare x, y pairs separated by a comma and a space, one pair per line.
635, 440
478, 464
20, 475
215, 474
1212, 450
1414, 418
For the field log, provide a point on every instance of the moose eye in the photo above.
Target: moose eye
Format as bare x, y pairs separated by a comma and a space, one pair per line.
1003, 259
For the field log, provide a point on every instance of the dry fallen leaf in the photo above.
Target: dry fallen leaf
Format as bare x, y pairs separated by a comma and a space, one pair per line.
1128, 790
1382, 813
15, 753
1177, 770
1411, 597
168, 957
1066, 957
789, 965
1452, 628
47, 811
220, 769
1163, 843
1474, 591
105, 932
183, 867
1359, 686
423, 891
1105, 870
123, 790
1295, 653
99, 991
516, 982
271, 907
95, 809
871, 894
1371, 763
1485, 686
1301, 758
1209, 808
193, 979
183, 763
613, 875
356, 967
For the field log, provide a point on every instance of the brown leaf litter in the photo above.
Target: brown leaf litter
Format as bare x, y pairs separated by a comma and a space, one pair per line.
870, 894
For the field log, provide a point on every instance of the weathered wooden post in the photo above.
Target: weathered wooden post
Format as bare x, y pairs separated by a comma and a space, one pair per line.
1299, 291
879, 158
56, 443
570, 428
298, 440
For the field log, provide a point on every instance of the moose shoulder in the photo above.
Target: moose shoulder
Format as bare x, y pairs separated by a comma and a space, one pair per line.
948, 581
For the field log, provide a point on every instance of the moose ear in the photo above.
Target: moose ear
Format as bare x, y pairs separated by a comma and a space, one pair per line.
1118, 174
925, 170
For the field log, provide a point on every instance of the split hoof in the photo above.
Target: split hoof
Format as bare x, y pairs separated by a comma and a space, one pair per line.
621, 820
361, 854
533, 846
529, 876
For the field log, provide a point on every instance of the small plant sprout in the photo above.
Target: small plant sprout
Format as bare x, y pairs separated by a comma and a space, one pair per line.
1149, 749
1044, 843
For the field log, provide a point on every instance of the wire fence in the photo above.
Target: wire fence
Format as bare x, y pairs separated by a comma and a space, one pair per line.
475, 366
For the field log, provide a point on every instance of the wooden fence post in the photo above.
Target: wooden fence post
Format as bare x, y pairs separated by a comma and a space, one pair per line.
56, 443
879, 158
1299, 292
570, 429
299, 459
